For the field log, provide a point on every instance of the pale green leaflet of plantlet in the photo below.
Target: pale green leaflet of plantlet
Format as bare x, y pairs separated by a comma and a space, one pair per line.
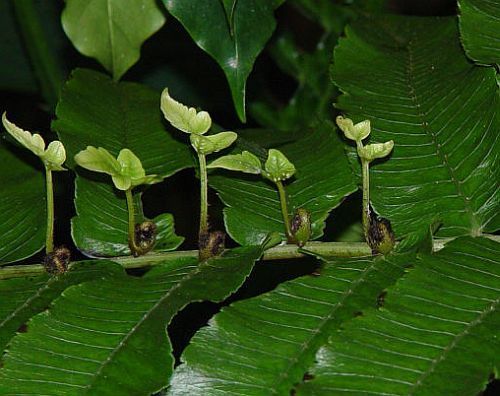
278, 167
126, 170
53, 157
245, 162
367, 154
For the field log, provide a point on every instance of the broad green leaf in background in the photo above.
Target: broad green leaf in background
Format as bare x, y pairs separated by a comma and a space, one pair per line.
94, 110
111, 31
437, 333
101, 224
265, 345
22, 298
22, 204
442, 113
479, 27
322, 179
232, 32
111, 333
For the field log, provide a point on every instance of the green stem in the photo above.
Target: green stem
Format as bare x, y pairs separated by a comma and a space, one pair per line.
203, 195
131, 222
365, 167
49, 236
280, 252
284, 209
43, 57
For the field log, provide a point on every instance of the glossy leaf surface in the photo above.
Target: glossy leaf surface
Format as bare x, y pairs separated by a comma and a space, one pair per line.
93, 110
232, 32
265, 345
112, 31
436, 334
22, 204
323, 178
479, 27
22, 298
106, 328
442, 113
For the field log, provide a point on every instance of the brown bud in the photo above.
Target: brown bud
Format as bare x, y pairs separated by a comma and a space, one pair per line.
380, 236
145, 237
57, 261
211, 244
301, 226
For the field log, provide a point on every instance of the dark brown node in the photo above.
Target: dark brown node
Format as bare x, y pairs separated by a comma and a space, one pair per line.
57, 261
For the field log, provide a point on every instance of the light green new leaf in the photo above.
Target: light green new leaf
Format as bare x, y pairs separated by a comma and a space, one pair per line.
111, 334
245, 162
53, 157
356, 132
111, 31
278, 167
22, 298
479, 27
441, 111
184, 118
232, 32
212, 143
374, 151
263, 346
323, 178
98, 160
437, 333
116, 115
22, 205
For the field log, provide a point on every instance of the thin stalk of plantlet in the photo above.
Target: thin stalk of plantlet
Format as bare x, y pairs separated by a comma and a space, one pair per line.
203, 194
52, 156
49, 237
196, 124
284, 209
365, 170
126, 172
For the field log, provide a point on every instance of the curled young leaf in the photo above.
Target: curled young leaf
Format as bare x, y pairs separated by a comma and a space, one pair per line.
375, 150
184, 118
245, 162
278, 167
126, 170
356, 132
53, 157
212, 143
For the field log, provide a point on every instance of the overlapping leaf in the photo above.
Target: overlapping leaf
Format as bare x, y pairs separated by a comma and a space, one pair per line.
436, 335
322, 180
22, 205
109, 337
232, 32
442, 113
265, 345
95, 111
112, 31
479, 27
22, 298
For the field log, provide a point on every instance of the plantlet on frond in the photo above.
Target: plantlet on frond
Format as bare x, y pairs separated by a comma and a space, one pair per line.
126, 172
196, 124
52, 157
277, 169
377, 231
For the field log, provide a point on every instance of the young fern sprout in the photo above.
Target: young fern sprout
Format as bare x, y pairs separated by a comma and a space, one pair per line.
52, 157
378, 232
196, 124
126, 172
277, 169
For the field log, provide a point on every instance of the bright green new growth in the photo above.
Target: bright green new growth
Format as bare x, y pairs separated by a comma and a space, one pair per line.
126, 170
277, 169
197, 123
367, 154
53, 157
